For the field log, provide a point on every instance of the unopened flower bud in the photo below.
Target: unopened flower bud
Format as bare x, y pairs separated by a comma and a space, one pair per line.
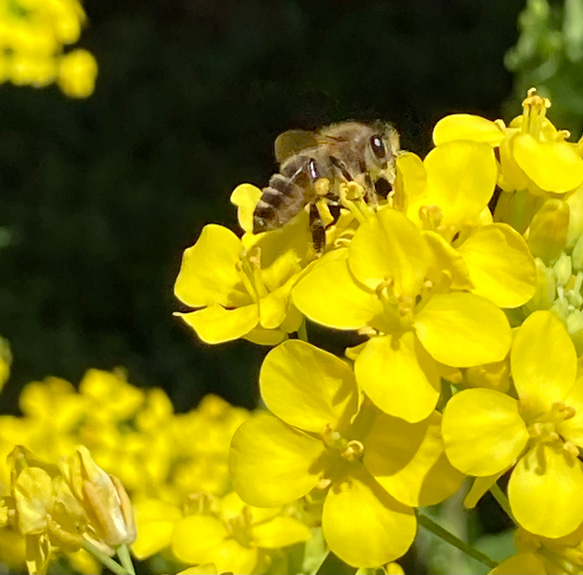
563, 269
546, 287
577, 255
575, 203
547, 236
575, 329
104, 499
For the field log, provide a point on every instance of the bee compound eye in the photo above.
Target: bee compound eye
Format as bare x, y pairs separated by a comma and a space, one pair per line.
378, 147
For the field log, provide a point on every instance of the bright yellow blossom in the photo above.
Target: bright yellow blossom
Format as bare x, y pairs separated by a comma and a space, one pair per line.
370, 464
33, 36
538, 435
242, 286
544, 556
447, 195
235, 537
381, 285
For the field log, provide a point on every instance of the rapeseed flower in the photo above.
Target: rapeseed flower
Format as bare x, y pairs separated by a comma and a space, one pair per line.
537, 435
535, 159
33, 37
391, 284
447, 196
236, 537
365, 462
242, 285
542, 555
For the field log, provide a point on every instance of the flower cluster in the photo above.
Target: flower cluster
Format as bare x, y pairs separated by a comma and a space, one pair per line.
165, 460
33, 37
464, 289
65, 508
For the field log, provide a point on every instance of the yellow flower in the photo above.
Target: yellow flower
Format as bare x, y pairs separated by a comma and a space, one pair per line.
544, 556
235, 537
368, 464
534, 155
447, 195
538, 435
104, 499
77, 74
535, 160
389, 285
243, 285
46, 511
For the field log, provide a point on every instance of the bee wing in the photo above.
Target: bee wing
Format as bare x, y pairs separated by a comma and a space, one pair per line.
293, 142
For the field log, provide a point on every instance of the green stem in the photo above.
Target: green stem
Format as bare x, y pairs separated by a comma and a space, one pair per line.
450, 538
303, 331
502, 500
334, 566
123, 553
105, 559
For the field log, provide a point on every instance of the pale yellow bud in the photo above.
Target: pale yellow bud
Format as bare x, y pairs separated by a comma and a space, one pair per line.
547, 234
105, 501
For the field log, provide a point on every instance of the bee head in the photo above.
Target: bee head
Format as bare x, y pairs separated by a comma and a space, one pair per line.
380, 151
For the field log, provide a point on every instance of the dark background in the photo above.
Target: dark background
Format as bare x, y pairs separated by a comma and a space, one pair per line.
98, 198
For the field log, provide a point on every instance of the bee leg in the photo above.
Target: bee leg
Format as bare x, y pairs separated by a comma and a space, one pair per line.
340, 165
371, 197
318, 229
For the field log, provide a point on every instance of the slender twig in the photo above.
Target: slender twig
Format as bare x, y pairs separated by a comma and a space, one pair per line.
105, 559
450, 538
502, 500
123, 553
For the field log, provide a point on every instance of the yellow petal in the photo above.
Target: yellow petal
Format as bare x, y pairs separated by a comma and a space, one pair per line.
461, 177
513, 177
388, 246
450, 259
552, 478
245, 197
524, 563
274, 306
480, 486
543, 362
330, 296
363, 524
483, 431
155, 523
572, 429
33, 495
262, 336
272, 464
410, 184
208, 273
215, 324
194, 534
398, 376
462, 330
467, 127
280, 532
231, 557
500, 265
408, 460
307, 387
552, 166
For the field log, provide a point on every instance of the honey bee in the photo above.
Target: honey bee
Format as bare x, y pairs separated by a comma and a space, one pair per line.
345, 152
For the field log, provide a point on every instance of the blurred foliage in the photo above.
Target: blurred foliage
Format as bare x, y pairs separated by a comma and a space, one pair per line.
549, 55
100, 197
